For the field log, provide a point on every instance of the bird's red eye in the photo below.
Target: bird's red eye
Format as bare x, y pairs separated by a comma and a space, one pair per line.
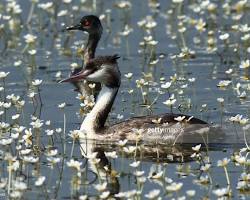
86, 23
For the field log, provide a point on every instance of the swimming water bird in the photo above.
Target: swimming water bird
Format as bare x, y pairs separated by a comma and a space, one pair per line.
92, 25
105, 71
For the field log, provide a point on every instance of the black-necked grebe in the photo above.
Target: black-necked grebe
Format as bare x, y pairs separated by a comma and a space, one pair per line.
92, 25
105, 71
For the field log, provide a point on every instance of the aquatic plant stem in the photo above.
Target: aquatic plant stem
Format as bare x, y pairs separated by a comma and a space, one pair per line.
72, 149
9, 181
227, 176
245, 139
30, 13
64, 133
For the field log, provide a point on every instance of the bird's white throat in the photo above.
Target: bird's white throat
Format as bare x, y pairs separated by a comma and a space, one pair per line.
99, 112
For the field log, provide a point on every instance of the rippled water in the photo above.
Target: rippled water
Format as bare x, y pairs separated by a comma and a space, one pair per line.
56, 51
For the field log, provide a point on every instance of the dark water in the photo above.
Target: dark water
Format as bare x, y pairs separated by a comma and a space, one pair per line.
56, 51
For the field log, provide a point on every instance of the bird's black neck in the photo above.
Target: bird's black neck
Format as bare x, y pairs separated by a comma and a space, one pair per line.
89, 51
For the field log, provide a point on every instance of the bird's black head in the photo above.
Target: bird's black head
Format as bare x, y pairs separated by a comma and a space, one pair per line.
88, 23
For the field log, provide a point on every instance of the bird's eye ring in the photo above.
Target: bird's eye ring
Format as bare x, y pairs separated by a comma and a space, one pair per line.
86, 23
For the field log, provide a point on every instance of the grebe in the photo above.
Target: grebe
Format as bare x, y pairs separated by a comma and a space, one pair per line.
92, 25
105, 71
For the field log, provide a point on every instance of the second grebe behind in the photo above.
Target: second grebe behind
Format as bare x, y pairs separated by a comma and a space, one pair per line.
92, 25
105, 71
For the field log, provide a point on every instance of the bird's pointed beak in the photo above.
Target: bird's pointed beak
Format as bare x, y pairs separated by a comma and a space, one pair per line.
75, 27
79, 76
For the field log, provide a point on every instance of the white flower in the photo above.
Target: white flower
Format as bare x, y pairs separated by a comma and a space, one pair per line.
124, 4
240, 159
32, 52
105, 194
58, 130
119, 116
166, 85
127, 31
122, 143
169, 102
223, 83
83, 197
242, 185
45, 6
74, 65
62, 105
111, 154
154, 62
138, 173
129, 149
31, 94
36, 124
200, 26
236, 118
101, 187
3, 182
49, 132
92, 85
25, 151
37, 82
31, 159
205, 167
6, 141
245, 64
18, 185
191, 80
128, 75
190, 193
197, 147
67, 1
224, 36
3, 74
221, 192
74, 134
40, 181
153, 194
29, 38
153, 43
15, 116
156, 176
177, 1
242, 95
17, 63
229, 71
52, 152
179, 118
53, 160
220, 100
62, 13
174, 187
7, 105
135, 164
223, 163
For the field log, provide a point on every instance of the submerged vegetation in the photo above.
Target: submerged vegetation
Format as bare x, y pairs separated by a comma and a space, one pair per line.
180, 56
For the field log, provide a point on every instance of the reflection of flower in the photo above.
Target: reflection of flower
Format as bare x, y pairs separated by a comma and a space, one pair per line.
74, 164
